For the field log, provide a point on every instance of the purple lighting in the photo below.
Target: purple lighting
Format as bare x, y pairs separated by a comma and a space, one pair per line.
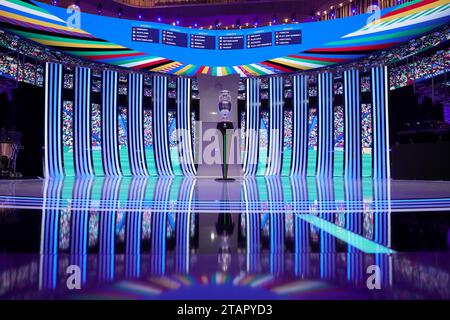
274, 18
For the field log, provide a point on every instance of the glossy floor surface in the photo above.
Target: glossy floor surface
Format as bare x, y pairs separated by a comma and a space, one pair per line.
202, 239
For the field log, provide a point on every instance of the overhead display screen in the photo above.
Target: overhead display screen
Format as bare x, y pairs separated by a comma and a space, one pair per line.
233, 42
275, 49
288, 37
174, 38
202, 41
143, 34
258, 40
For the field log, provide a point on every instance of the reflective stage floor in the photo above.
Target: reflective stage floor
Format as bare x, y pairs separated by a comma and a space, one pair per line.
264, 238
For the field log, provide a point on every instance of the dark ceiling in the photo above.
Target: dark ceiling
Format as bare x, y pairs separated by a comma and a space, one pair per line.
204, 12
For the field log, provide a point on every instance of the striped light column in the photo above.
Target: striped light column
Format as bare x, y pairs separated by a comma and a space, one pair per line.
182, 225
380, 111
48, 266
252, 219
160, 137
354, 223
277, 224
107, 228
159, 225
82, 118
300, 130
110, 147
53, 158
186, 155
325, 145
326, 198
383, 227
252, 224
136, 126
133, 236
79, 232
352, 125
302, 248
250, 165
276, 127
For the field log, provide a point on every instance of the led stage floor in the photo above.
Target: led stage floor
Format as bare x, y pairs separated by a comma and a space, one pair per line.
200, 239
207, 195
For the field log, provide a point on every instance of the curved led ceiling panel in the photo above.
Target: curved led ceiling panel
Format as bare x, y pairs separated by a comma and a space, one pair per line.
251, 52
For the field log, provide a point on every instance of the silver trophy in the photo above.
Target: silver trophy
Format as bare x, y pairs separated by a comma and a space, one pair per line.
224, 104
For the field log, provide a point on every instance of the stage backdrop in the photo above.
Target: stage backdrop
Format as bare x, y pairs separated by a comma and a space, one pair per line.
208, 150
280, 48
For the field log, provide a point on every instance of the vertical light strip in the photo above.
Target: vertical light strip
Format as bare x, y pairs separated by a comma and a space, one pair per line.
276, 126
354, 223
252, 127
82, 118
53, 158
302, 247
381, 162
325, 145
382, 226
326, 198
277, 224
82, 189
300, 130
136, 148
110, 146
159, 225
133, 229
183, 225
160, 136
252, 223
186, 156
48, 264
107, 227
352, 125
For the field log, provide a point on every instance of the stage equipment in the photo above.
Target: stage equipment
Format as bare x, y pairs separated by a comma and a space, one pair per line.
225, 127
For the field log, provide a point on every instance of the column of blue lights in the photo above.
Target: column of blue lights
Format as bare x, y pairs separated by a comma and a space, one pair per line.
53, 158
352, 125
382, 227
354, 223
274, 160
159, 225
300, 128
110, 141
325, 145
48, 268
82, 118
301, 227
250, 165
136, 149
82, 190
182, 225
325, 196
252, 223
133, 229
186, 155
160, 134
107, 227
380, 92
277, 224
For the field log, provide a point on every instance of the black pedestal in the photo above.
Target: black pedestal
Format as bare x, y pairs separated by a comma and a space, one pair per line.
223, 127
